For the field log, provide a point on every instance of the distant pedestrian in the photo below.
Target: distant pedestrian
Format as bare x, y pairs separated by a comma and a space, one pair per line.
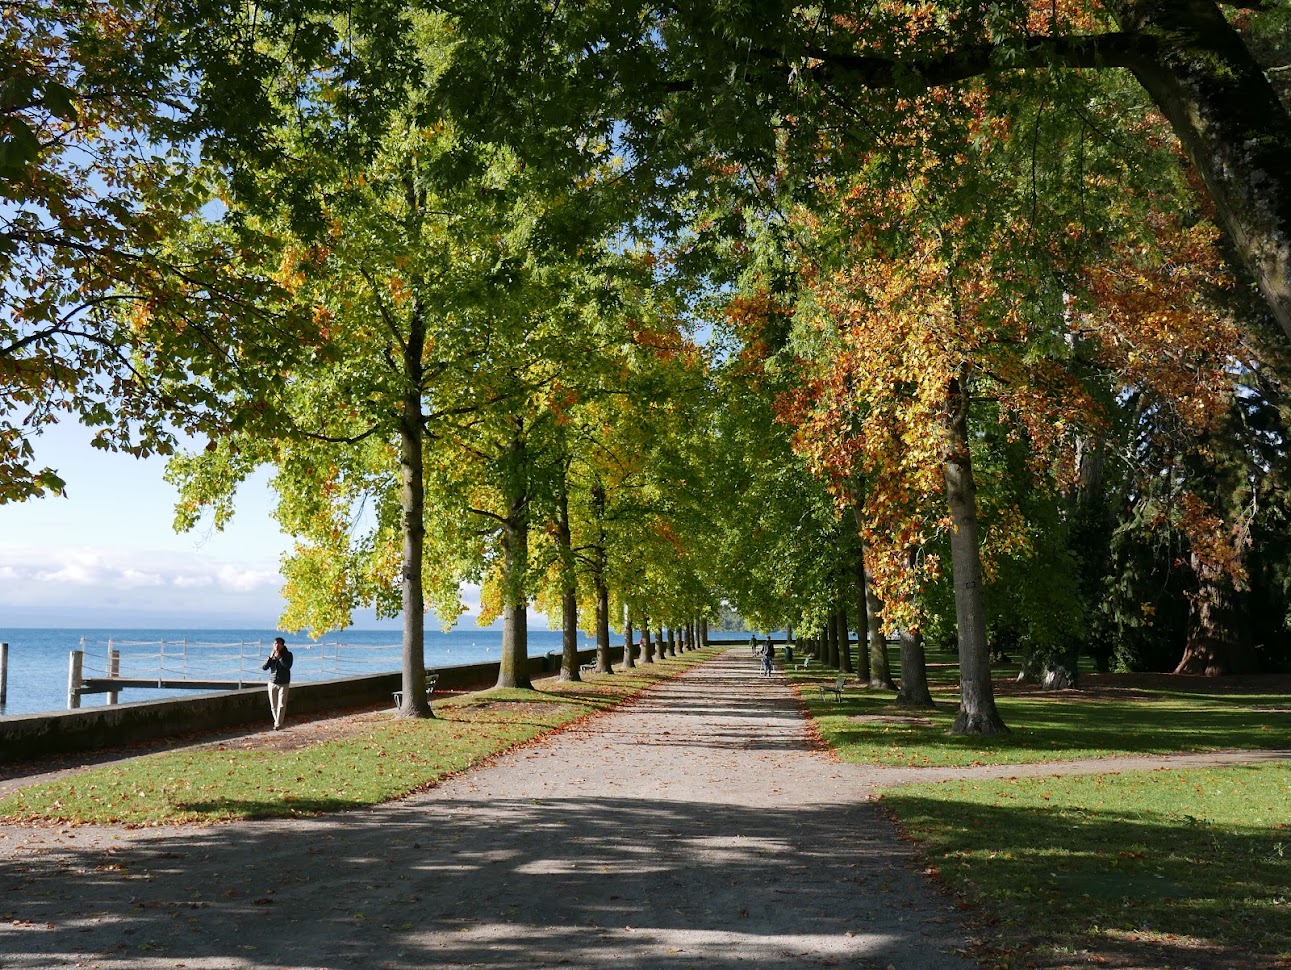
279, 667
768, 654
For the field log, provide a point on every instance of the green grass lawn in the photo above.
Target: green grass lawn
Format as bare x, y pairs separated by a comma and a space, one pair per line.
868, 728
392, 758
1176, 861
1158, 867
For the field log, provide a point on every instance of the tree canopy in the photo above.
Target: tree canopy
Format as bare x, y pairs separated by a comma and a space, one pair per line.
634, 310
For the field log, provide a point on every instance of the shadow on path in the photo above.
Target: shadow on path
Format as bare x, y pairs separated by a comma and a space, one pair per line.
695, 826
563, 881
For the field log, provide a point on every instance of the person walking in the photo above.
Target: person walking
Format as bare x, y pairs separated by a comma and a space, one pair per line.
279, 667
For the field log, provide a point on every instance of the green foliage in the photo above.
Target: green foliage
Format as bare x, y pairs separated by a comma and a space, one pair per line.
442, 275
94, 179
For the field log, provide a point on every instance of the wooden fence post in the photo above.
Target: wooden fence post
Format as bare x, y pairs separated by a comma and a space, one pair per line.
114, 670
74, 667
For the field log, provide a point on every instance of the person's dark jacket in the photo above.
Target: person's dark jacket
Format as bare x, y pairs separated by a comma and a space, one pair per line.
280, 667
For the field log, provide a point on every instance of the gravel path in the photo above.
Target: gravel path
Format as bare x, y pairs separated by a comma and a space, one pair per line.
698, 826
695, 827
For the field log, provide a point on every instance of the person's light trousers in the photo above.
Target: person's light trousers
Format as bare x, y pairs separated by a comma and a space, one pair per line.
278, 702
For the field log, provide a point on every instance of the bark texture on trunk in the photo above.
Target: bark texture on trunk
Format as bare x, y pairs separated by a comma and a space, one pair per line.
1215, 646
413, 499
513, 667
569, 592
628, 662
880, 668
862, 617
603, 664
913, 691
647, 644
844, 639
977, 712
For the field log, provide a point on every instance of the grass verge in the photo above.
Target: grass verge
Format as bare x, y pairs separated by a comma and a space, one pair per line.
392, 758
1178, 868
868, 728
1177, 864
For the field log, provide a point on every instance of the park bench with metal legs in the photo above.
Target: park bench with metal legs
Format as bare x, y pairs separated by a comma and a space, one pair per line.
431, 680
835, 688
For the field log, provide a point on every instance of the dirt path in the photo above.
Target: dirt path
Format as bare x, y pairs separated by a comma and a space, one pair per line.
697, 826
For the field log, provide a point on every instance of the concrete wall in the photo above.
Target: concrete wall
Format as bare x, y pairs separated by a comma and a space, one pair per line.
27, 736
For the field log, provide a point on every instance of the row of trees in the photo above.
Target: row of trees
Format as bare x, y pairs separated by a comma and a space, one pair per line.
917, 315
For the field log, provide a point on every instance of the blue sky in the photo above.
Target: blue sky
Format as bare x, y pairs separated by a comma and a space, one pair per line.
105, 555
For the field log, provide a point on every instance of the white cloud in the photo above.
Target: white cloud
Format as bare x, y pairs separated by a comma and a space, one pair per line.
147, 580
243, 579
78, 569
133, 578
193, 582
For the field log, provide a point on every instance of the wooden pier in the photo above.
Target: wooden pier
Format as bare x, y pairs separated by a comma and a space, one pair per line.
110, 685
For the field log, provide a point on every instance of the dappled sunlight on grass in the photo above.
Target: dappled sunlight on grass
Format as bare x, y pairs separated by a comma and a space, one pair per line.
867, 727
1148, 865
1198, 854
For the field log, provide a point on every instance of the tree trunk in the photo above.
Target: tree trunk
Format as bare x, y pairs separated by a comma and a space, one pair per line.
830, 636
1232, 124
569, 588
628, 662
862, 616
647, 644
977, 712
913, 691
603, 665
880, 667
703, 631
413, 498
1214, 647
513, 668
844, 639
672, 642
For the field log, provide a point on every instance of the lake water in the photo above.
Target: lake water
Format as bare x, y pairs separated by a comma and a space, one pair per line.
39, 658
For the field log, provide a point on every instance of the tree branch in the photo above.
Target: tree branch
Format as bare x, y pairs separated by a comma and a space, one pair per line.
1113, 49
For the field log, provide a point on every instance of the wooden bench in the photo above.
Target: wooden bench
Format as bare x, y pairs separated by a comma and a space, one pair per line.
431, 680
836, 689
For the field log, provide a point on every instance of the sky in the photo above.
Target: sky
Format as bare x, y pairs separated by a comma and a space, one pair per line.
105, 554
